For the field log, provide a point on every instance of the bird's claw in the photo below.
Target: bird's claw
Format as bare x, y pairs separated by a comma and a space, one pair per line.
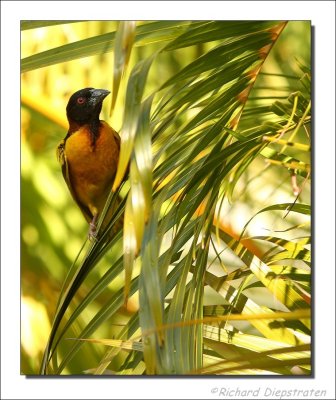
92, 231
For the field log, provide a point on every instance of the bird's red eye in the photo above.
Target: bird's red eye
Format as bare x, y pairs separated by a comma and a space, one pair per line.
81, 100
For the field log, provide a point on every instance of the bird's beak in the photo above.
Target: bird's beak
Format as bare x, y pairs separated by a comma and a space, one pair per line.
98, 95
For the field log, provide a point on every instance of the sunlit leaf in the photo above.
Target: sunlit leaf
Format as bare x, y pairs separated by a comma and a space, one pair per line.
122, 51
202, 296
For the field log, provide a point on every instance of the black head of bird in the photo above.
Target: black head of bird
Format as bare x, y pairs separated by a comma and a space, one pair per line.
85, 105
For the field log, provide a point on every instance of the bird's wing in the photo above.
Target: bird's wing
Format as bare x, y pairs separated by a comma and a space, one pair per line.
61, 156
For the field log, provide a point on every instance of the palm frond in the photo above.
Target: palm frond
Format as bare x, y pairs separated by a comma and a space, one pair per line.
212, 300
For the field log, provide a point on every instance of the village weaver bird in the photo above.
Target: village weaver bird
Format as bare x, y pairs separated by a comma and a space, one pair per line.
89, 155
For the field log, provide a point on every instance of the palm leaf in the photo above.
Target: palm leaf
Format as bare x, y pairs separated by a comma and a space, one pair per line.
186, 144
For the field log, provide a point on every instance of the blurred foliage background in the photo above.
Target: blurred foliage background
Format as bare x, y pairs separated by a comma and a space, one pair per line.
54, 231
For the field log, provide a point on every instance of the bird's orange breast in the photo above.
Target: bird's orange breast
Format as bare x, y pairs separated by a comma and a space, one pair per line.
92, 168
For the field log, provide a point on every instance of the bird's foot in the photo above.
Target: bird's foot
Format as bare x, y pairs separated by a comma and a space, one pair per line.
93, 230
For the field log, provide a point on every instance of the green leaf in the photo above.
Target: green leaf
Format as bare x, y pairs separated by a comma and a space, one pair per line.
288, 207
25, 25
122, 51
100, 44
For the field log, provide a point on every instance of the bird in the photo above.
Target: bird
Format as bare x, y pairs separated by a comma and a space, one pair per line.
89, 154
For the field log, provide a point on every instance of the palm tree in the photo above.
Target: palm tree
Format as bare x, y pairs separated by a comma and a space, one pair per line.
216, 127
